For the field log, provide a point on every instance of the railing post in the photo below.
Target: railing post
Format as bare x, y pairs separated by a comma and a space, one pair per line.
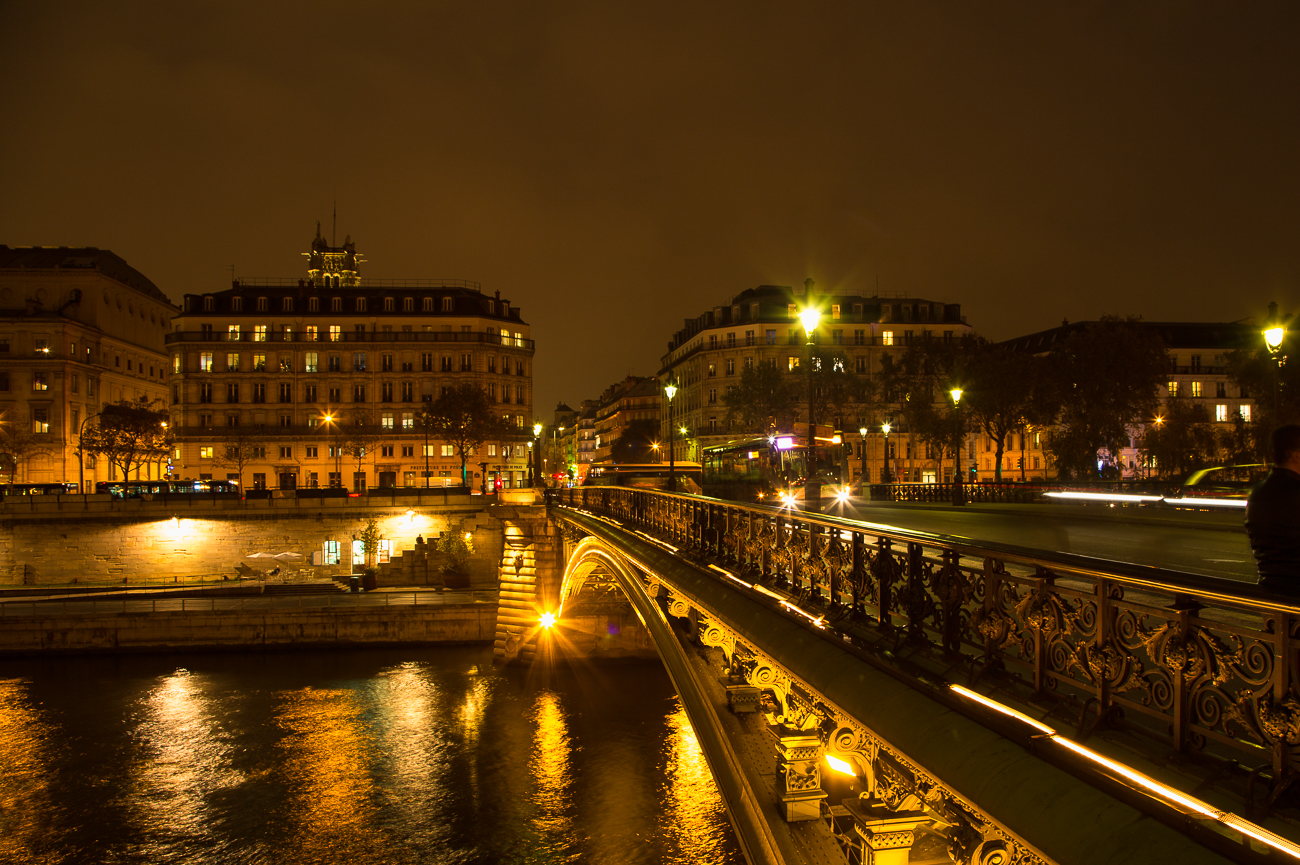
859, 570
915, 589
885, 555
1184, 607
1282, 662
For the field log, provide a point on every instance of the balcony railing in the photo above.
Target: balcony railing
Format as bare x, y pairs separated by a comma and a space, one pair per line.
382, 336
1206, 668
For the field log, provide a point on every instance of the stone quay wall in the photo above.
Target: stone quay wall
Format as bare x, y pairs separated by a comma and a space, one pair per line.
92, 539
246, 630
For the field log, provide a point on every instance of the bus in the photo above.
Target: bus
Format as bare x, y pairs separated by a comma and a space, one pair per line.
37, 489
139, 489
763, 468
652, 476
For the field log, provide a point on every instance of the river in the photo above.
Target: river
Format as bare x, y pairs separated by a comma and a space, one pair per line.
358, 756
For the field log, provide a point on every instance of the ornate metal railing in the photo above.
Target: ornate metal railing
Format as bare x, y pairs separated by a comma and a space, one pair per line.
991, 493
1205, 667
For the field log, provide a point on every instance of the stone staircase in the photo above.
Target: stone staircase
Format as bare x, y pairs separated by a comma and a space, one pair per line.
517, 610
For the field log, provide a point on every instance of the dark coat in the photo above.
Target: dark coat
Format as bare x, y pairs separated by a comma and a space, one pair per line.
1273, 524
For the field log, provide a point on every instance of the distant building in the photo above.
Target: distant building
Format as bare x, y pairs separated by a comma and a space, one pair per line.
79, 328
560, 440
635, 398
1197, 357
761, 325
295, 360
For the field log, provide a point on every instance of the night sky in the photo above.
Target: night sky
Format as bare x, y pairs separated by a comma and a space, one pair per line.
614, 168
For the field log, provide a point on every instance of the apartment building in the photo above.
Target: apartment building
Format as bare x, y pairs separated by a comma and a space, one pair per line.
298, 363
79, 328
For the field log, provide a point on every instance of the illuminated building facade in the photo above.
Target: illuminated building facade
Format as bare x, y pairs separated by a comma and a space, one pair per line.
79, 328
302, 363
761, 326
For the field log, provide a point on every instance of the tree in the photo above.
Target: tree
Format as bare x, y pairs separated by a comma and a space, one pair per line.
1004, 390
764, 400
835, 386
1182, 441
634, 443
463, 418
240, 447
1106, 378
128, 433
1257, 373
19, 445
919, 380
358, 440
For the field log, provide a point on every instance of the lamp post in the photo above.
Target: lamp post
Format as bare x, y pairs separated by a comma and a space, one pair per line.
338, 451
886, 477
535, 464
1274, 333
862, 431
81, 453
958, 494
812, 491
671, 390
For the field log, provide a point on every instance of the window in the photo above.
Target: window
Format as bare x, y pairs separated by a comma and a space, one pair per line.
361, 304
771, 337
236, 304
862, 366
449, 450
205, 452
232, 362
731, 340
205, 391
358, 393
286, 304
313, 333
205, 362
334, 363
731, 366
336, 332
835, 311
1173, 388
232, 333
1221, 412
713, 370
259, 333
286, 363
386, 392
386, 422
335, 395
713, 396
1196, 389
331, 552
40, 420
466, 364
408, 391
286, 392
427, 305
408, 450
309, 393
40, 381
336, 304
446, 363
259, 363
837, 336
311, 452
232, 391
492, 363
386, 363
887, 337
749, 363
259, 392
359, 361
1244, 411
408, 304
713, 340
793, 364
792, 310
408, 420
426, 363
286, 452
286, 420
448, 304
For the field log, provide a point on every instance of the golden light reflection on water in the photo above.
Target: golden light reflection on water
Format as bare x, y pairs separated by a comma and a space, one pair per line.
552, 772
23, 787
328, 809
186, 757
694, 805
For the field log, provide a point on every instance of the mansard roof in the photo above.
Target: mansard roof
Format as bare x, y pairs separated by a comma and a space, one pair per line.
79, 258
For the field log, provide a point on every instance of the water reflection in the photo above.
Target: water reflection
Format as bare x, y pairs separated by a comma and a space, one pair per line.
695, 818
24, 793
551, 771
329, 811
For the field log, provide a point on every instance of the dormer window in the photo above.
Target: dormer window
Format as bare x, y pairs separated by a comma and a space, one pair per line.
262, 304
209, 304
390, 304
361, 304
408, 304
448, 304
236, 304
427, 306
313, 304
505, 308
286, 305
492, 307
336, 304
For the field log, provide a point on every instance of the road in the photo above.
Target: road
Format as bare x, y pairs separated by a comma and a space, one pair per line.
1212, 544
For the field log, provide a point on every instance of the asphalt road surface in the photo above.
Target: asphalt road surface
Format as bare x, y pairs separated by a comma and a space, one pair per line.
1197, 542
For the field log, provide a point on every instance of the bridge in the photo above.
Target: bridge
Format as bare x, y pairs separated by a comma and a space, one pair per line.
870, 694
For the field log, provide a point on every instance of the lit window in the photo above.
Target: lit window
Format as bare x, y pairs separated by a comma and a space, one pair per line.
40, 420
887, 337
205, 452
1244, 411
232, 362
1196, 389
40, 381
232, 333
313, 362
835, 311
176, 363
1220, 412
387, 421
312, 332
331, 552
1173, 388
408, 420
259, 333
336, 332
793, 364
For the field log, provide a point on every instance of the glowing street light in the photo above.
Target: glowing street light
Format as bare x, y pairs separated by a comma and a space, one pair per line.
338, 452
1274, 333
885, 476
958, 493
671, 390
862, 431
812, 491
547, 620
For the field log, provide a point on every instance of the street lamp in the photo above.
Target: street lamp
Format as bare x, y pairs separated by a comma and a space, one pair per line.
671, 390
886, 477
862, 431
81, 453
535, 464
958, 494
812, 491
338, 452
1274, 333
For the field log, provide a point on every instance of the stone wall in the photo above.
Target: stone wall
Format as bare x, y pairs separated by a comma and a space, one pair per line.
248, 629
90, 539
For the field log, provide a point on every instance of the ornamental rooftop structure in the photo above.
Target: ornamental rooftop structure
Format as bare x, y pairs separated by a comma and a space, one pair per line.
761, 325
277, 357
79, 327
